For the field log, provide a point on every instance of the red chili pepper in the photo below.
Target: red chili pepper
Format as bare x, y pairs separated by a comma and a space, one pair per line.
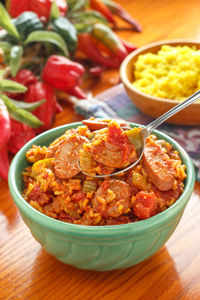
25, 77
77, 92
103, 9
5, 131
102, 48
17, 7
43, 7
119, 11
129, 47
96, 71
4, 162
88, 47
45, 113
104, 34
20, 135
58, 108
64, 74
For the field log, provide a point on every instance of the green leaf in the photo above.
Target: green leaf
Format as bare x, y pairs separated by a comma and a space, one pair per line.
11, 86
55, 13
15, 59
6, 23
83, 27
20, 114
66, 30
30, 106
47, 36
5, 45
89, 17
76, 5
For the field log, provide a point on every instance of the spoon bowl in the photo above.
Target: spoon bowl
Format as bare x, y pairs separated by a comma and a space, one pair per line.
146, 131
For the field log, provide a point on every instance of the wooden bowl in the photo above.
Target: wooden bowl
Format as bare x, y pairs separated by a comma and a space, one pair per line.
155, 106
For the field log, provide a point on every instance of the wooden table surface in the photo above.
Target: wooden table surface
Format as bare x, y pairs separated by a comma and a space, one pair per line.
28, 272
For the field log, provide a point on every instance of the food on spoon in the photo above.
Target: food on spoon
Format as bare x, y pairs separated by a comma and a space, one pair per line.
171, 73
113, 148
55, 186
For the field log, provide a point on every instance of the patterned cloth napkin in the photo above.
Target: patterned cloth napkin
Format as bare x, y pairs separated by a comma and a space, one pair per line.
187, 136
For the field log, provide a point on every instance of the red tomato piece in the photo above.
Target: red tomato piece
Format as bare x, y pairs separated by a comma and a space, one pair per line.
116, 134
145, 205
78, 196
36, 194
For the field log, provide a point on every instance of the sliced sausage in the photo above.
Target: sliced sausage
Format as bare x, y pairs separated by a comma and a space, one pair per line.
112, 155
66, 156
97, 124
113, 198
158, 166
56, 144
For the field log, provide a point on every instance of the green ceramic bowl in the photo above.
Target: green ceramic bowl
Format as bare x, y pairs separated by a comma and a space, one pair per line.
98, 247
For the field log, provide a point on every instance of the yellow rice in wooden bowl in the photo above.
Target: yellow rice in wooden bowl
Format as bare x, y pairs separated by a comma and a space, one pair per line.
158, 76
172, 73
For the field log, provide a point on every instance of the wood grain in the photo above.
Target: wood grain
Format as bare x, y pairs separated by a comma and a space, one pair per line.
27, 272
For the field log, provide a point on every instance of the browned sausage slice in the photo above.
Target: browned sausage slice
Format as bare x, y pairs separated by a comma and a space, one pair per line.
66, 156
113, 198
110, 154
97, 124
158, 166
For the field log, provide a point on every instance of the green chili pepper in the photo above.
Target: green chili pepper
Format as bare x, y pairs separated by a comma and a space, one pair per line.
11, 86
28, 106
67, 31
105, 35
6, 23
20, 114
15, 59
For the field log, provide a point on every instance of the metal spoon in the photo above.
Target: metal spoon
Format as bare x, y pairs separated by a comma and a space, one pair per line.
146, 131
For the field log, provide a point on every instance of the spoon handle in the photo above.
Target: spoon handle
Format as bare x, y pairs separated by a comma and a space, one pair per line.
151, 126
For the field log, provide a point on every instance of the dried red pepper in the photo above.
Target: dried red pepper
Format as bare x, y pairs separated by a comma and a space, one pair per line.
64, 74
103, 9
87, 46
5, 131
20, 135
45, 113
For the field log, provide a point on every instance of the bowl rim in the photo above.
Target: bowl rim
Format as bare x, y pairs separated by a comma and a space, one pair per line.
138, 51
108, 231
